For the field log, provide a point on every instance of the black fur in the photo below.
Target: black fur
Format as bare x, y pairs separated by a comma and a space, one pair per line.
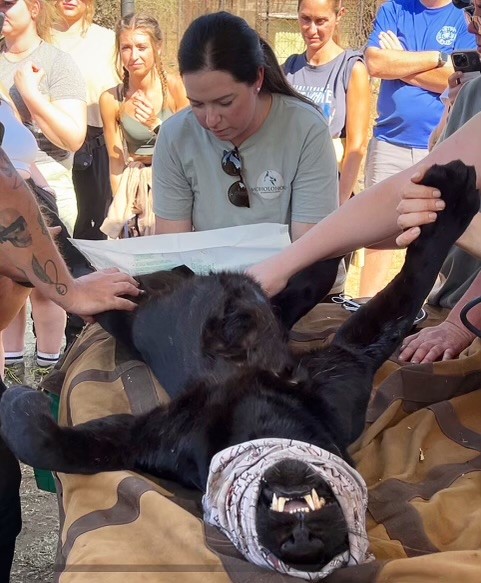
221, 353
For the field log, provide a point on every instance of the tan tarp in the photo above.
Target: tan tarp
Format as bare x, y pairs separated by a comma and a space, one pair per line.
420, 456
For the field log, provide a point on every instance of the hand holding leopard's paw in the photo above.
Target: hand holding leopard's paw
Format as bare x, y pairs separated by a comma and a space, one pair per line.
457, 183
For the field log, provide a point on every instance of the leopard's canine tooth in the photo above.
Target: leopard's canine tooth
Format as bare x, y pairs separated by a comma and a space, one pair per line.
274, 502
310, 502
281, 503
318, 502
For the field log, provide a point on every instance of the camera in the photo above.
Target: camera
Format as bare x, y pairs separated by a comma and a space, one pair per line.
466, 61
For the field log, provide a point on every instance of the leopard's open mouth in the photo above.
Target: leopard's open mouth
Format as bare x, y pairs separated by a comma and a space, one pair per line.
306, 503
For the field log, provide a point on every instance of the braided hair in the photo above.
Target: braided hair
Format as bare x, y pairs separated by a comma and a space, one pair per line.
151, 27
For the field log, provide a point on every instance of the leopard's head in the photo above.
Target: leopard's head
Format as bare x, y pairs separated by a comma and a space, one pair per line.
298, 517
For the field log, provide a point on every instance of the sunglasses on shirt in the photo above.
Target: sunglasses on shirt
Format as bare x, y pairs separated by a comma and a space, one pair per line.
472, 19
232, 165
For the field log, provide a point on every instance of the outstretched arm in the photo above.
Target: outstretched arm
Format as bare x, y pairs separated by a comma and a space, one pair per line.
371, 217
27, 253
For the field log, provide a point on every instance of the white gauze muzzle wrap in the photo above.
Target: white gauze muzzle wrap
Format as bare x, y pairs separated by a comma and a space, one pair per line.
233, 488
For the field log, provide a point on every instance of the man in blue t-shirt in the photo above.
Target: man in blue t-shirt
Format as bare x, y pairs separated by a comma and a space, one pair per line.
409, 50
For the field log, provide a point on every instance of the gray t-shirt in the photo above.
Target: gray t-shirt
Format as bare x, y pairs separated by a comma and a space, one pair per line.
62, 80
288, 165
460, 268
326, 85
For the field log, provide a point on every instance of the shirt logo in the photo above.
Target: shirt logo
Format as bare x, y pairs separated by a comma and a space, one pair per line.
270, 184
447, 35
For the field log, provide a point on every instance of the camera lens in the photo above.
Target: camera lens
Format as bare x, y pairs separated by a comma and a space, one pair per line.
460, 60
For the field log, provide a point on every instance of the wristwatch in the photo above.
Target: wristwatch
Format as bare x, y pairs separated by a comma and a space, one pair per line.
442, 59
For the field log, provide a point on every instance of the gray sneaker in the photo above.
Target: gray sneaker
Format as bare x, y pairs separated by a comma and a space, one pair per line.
14, 374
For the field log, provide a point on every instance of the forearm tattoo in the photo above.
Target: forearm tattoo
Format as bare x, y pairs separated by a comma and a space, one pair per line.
14, 229
41, 273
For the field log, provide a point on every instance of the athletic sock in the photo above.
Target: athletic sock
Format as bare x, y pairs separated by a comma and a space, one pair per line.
45, 359
13, 358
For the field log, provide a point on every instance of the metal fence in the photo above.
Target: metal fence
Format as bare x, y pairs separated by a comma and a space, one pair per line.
275, 20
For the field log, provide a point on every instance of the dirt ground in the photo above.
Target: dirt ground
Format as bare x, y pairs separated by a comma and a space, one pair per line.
37, 543
36, 546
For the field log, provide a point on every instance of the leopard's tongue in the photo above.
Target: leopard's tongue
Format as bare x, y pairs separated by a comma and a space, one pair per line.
295, 505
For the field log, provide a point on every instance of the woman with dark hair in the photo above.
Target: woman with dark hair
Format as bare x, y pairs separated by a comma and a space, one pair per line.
250, 149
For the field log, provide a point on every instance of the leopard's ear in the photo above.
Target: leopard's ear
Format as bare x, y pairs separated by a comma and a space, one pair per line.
161, 282
231, 335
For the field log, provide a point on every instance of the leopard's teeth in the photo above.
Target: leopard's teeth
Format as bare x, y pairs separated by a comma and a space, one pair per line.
318, 502
274, 502
281, 503
310, 502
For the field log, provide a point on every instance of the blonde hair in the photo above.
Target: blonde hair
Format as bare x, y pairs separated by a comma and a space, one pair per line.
87, 18
89, 14
151, 27
46, 17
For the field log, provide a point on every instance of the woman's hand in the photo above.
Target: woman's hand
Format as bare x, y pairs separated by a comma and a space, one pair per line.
27, 79
144, 110
442, 342
419, 206
101, 291
268, 276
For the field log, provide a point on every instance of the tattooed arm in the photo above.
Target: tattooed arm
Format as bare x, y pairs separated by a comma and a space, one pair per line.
27, 253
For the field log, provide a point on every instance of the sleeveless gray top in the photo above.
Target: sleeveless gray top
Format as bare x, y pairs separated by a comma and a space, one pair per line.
139, 139
326, 85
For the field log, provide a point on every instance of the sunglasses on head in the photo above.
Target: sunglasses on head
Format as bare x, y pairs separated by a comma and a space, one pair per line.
472, 19
232, 165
